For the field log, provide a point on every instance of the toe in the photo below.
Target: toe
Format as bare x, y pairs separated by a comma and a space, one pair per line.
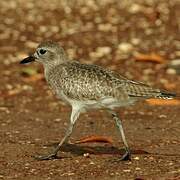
45, 157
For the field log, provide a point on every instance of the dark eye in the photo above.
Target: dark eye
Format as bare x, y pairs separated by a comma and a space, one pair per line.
42, 51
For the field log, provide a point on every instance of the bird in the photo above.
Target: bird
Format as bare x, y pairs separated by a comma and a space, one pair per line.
89, 86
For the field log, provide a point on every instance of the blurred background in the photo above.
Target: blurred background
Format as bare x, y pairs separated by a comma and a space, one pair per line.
137, 38
108, 32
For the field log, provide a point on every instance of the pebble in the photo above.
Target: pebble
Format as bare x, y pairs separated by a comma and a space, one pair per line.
175, 62
57, 120
100, 52
136, 158
105, 27
162, 116
125, 47
126, 170
135, 8
86, 155
171, 71
174, 66
103, 50
91, 163
135, 41
177, 53
137, 168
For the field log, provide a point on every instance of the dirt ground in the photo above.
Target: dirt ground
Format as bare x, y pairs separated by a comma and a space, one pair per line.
110, 33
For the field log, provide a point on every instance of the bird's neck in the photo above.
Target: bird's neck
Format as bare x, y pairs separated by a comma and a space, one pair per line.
49, 68
51, 64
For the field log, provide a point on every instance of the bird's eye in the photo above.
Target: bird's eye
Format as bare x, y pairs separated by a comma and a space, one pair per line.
42, 51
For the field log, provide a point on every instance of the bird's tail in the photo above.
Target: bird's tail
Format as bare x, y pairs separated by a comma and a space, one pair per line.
139, 90
166, 95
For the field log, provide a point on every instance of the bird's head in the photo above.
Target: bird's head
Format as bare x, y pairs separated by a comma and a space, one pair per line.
47, 53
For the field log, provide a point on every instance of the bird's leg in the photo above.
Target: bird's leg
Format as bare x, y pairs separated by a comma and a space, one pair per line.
53, 154
127, 155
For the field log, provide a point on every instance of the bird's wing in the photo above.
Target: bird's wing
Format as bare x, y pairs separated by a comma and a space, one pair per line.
88, 82
92, 82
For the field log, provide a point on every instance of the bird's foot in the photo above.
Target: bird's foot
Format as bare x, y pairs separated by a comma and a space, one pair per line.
126, 157
45, 157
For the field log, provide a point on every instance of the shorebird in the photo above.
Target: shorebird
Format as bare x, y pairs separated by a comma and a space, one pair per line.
86, 86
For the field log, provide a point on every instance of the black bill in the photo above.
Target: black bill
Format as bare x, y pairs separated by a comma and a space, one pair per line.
27, 60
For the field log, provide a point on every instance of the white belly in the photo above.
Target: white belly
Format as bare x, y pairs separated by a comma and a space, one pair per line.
106, 102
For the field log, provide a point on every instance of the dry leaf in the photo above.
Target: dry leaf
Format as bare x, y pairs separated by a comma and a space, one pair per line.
94, 138
152, 57
172, 102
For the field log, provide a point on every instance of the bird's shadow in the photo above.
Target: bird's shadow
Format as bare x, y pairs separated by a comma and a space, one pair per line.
79, 150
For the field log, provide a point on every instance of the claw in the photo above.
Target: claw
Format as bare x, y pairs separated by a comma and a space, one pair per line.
46, 157
126, 157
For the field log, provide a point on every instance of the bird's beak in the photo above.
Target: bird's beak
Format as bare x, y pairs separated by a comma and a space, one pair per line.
28, 59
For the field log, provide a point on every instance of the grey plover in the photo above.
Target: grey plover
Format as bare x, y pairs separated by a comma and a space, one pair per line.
86, 86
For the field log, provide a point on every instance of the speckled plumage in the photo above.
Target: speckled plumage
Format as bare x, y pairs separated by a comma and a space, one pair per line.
84, 82
86, 86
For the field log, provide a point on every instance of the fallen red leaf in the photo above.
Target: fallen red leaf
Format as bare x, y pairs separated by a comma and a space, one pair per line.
152, 57
173, 102
94, 138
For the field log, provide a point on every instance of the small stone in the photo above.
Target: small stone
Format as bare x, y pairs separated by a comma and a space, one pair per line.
9, 86
54, 29
135, 41
86, 155
126, 170
125, 47
112, 174
27, 164
57, 120
43, 29
103, 50
162, 116
151, 158
91, 163
175, 62
137, 168
100, 52
148, 71
105, 27
136, 158
177, 53
135, 8
175, 65
171, 71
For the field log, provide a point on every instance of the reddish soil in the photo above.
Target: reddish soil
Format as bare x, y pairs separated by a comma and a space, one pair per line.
108, 33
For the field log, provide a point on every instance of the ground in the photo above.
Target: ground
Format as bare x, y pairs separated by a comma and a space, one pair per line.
111, 33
